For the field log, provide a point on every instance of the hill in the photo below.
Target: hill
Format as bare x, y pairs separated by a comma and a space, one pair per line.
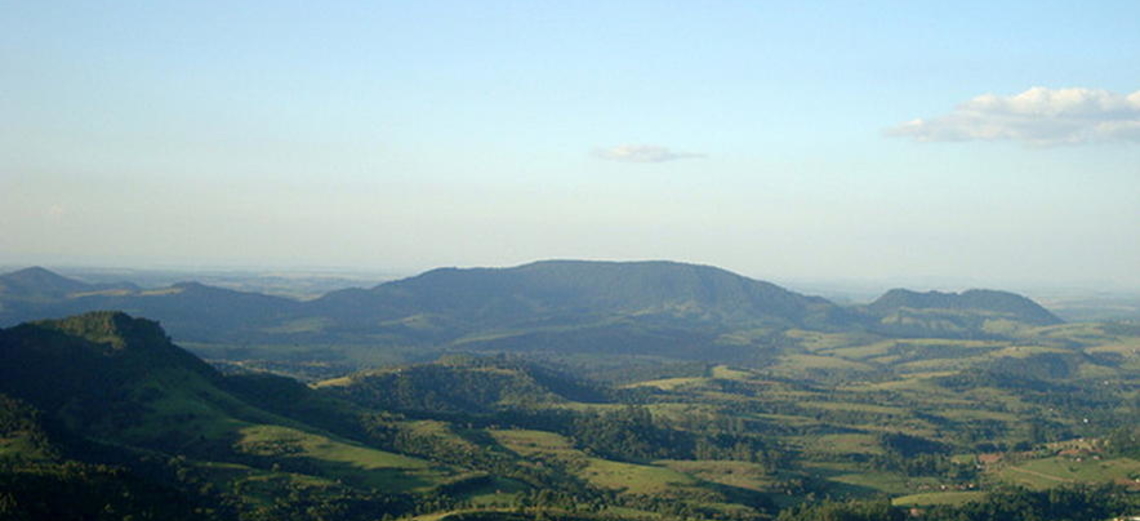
970, 313
109, 389
1000, 302
462, 384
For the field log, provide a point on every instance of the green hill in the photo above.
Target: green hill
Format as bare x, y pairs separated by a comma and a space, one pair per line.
462, 384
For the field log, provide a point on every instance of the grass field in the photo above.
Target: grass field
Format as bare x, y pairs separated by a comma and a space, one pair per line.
740, 474
670, 384
634, 479
939, 498
614, 475
796, 364
842, 444
344, 460
1056, 471
528, 443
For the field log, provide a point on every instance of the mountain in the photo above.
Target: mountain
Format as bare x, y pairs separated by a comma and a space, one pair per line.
576, 292
38, 284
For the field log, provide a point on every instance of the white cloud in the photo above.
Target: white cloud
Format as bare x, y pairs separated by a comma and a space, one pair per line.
1039, 116
642, 154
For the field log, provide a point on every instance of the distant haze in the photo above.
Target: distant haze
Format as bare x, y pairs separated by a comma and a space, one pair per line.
980, 143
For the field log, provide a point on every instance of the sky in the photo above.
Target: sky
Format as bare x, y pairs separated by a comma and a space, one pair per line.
995, 143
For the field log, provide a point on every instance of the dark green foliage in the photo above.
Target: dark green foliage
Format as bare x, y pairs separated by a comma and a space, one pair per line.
1079, 503
629, 434
908, 446
297, 502
72, 490
1123, 441
880, 510
465, 384
931, 465
292, 399
18, 420
735, 447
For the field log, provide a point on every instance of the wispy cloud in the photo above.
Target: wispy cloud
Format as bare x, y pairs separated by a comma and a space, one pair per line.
642, 154
1039, 116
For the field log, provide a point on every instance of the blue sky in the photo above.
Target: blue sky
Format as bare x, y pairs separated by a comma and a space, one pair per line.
770, 138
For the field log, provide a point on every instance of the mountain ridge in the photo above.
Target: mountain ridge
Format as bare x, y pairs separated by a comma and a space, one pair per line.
544, 288
575, 305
